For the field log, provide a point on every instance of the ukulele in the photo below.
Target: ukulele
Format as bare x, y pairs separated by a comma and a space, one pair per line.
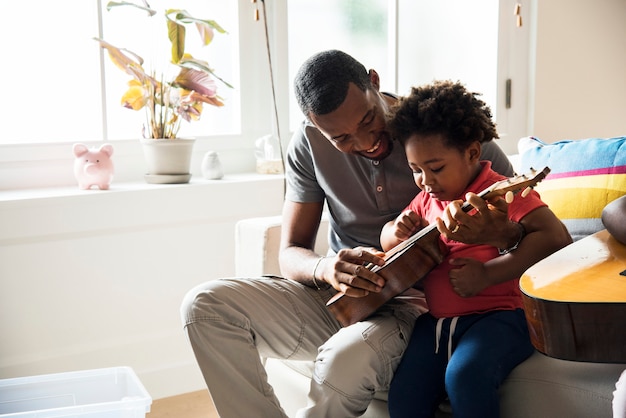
411, 260
575, 301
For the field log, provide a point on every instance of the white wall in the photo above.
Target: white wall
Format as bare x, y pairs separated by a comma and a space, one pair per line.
580, 73
92, 279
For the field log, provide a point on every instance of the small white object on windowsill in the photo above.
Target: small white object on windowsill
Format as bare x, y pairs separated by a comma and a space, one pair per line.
211, 166
268, 156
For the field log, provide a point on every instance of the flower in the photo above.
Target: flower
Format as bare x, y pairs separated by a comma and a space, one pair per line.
167, 102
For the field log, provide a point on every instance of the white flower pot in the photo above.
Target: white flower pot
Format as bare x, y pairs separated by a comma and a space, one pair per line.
168, 160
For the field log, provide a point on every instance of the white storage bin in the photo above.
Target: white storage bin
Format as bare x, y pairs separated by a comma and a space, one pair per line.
102, 393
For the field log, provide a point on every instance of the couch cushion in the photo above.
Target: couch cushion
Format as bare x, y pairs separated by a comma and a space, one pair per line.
585, 176
543, 386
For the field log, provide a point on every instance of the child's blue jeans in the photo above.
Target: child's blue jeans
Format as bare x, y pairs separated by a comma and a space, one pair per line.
483, 350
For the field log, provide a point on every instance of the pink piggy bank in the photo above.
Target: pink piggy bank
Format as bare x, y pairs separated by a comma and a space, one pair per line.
93, 167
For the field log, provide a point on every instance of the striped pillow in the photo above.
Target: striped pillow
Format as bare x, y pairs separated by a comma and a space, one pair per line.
585, 176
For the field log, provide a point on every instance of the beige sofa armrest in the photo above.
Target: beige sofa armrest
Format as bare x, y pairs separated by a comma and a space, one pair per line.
257, 241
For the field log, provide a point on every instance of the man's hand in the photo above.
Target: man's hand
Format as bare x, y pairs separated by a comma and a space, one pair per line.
346, 272
487, 223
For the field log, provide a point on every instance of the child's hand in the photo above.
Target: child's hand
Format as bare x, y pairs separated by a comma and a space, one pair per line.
407, 224
470, 278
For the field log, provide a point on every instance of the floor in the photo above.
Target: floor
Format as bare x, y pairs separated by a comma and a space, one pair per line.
189, 405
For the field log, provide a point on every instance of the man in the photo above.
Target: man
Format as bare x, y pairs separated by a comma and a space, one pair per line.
342, 156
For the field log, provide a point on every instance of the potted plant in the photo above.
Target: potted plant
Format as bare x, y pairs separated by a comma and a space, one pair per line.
167, 101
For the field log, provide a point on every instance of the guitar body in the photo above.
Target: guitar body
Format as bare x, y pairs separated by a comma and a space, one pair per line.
403, 273
575, 301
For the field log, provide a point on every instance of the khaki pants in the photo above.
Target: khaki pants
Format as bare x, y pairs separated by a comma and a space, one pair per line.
233, 323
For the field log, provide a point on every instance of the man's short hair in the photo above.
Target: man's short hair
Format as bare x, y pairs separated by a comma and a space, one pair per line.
322, 82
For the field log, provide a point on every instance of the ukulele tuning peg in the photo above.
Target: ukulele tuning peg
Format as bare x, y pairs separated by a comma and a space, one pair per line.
526, 191
508, 197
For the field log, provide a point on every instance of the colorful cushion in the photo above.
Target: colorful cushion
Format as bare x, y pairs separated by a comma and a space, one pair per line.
585, 176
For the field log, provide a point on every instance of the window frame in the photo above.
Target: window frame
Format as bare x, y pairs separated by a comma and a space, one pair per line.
49, 165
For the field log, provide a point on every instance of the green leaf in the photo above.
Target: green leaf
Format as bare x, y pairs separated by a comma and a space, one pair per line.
176, 34
126, 60
205, 27
206, 33
145, 7
192, 63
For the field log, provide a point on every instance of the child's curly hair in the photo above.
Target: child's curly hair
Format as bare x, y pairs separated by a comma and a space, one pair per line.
445, 108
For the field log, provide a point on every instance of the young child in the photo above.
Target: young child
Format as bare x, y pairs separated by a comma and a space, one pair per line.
475, 332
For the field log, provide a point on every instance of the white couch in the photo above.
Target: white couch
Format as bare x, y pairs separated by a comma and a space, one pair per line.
541, 387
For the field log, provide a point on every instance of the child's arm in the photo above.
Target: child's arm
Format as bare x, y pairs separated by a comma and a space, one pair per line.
401, 229
545, 234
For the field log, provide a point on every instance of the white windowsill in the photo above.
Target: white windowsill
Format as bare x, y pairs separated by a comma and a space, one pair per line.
50, 213
196, 182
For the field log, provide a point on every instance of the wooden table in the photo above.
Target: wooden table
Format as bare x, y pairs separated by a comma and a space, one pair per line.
575, 301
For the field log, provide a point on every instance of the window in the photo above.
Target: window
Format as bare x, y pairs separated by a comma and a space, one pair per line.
358, 27
54, 80
459, 45
55, 76
412, 42
58, 75
51, 72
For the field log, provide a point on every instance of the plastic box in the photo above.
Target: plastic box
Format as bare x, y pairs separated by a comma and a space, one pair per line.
102, 393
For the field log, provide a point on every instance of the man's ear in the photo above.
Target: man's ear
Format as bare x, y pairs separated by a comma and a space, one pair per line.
375, 79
